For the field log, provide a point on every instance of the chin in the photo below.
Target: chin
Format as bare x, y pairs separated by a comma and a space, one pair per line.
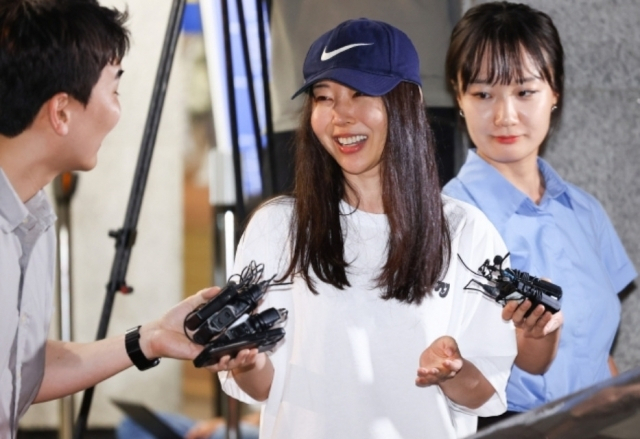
87, 166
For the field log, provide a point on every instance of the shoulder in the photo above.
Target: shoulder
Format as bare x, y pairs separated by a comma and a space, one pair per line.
582, 198
271, 220
461, 215
455, 188
473, 236
273, 211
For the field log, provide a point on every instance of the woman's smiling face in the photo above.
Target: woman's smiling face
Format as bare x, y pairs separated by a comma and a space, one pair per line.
351, 126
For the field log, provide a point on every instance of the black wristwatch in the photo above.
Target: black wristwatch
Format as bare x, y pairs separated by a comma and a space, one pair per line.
132, 344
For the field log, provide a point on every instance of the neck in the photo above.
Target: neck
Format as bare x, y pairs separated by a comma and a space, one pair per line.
21, 159
365, 193
525, 176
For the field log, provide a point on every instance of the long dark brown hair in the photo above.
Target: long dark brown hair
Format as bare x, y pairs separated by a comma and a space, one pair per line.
419, 244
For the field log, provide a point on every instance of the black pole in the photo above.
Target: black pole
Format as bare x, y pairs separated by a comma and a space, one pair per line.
266, 84
233, 117
251, 88
125, 237
227, 406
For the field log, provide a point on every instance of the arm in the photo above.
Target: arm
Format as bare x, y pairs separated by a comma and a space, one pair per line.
71, 367
459, 379
252, 371
538, 335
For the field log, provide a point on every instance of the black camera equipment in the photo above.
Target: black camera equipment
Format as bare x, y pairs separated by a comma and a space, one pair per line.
510, 284
211, 323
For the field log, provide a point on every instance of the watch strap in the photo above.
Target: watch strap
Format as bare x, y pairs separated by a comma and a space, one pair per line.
132, 345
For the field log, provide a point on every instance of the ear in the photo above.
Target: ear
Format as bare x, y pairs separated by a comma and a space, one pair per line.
456, 91
59, 113
458, 100
556, 96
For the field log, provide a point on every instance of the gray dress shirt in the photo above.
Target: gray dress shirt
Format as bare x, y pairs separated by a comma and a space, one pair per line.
27, 270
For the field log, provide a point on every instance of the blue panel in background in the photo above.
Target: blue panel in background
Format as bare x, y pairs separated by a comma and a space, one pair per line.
251, 181
191, 21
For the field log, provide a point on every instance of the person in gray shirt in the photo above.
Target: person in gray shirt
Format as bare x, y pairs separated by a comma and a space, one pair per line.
59, 74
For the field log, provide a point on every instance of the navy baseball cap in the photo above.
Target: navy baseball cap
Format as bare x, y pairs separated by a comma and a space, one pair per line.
366, 55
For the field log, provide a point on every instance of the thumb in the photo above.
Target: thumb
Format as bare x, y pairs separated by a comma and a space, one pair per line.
554, 324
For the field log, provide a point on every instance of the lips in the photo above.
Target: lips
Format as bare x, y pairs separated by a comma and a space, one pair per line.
507, 140
350, 144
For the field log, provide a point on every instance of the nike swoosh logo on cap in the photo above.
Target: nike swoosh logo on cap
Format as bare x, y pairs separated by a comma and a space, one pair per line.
328, 55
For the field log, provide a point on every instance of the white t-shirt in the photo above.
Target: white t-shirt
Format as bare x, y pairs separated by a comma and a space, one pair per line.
347, 365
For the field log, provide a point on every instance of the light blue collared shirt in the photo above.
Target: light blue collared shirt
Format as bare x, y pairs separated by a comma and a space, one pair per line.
569, 239
27, 273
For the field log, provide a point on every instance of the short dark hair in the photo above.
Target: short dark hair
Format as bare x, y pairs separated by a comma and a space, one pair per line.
53, 46
504, 32
419, 245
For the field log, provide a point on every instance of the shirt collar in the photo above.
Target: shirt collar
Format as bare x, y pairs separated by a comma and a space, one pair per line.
13, 212
555, 186
481, 179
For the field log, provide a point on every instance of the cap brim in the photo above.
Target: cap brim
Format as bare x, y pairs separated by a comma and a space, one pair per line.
372, 84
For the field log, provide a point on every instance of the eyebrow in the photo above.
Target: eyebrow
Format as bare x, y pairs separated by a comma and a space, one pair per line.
522, 81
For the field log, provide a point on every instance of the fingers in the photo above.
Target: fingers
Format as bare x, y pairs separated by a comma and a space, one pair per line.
530, 321
454, 365
441, 361
445, 346
202, 296
431, 376
539, 323
509, 309
207, 294
244, 358
427, 377
554, 323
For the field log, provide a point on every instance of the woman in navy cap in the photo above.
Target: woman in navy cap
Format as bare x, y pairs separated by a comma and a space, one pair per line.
505, 66
382, 340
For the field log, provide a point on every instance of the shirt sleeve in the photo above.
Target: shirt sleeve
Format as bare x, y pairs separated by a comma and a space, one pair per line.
614, 257
483, 337
265, 242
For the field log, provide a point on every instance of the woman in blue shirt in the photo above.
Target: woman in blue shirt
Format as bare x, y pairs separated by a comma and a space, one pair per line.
505, 67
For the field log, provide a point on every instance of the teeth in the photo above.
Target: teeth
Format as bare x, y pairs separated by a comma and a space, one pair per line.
345, 141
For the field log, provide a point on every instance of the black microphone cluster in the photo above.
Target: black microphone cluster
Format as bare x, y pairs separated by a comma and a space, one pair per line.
212, 323
509, 284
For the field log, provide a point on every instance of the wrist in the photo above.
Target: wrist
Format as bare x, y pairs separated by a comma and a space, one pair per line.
146, 341
135, 351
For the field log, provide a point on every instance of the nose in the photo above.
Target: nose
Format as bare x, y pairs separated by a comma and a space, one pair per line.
505, 113
343, 111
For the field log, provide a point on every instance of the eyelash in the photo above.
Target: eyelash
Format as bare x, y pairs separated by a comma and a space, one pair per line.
481, 95
522, 94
